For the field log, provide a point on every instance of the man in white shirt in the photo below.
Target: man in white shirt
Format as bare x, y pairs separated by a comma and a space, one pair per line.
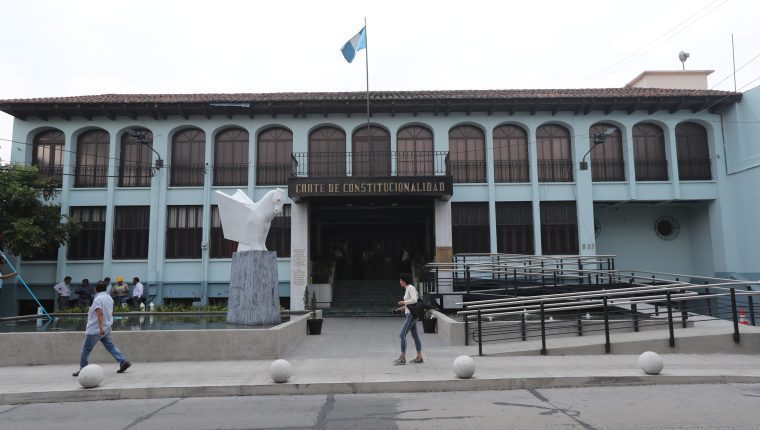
137, 293
99, 321
63, 289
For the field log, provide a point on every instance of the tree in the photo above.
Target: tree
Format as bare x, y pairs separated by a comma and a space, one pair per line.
30, 224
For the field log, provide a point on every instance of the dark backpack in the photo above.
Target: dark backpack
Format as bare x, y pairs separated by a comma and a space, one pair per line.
418, 309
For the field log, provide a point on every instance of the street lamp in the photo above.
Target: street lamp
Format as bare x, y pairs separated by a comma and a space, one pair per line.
596, 139
142, 137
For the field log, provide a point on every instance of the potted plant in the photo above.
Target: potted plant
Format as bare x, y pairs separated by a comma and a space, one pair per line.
429, 324
313, 324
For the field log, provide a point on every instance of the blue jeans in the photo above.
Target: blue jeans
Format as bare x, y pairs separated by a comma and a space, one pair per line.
410, 324
90, 340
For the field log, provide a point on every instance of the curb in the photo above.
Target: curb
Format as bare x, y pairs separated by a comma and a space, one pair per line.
474, 384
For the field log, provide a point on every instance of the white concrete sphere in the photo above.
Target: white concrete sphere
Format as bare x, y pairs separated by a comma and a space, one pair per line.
464, 366
280, 371
651, 363
90, 376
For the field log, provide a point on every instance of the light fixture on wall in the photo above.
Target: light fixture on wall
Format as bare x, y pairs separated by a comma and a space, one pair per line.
141, 136
596, 139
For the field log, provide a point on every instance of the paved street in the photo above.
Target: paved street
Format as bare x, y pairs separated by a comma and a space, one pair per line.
733, 406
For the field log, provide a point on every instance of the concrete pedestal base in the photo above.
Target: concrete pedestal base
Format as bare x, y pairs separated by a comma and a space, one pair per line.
253, 295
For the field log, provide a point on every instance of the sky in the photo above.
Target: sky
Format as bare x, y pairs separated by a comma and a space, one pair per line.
76, 47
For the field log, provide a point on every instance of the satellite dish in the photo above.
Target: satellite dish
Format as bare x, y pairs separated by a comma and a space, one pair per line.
683, 56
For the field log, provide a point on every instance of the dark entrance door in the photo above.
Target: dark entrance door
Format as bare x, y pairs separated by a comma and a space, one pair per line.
371, 239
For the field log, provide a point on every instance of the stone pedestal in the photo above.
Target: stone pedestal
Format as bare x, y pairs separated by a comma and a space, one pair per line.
254, 295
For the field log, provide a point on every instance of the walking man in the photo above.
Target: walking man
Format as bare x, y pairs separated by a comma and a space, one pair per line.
410, 322
63, 289
99, 321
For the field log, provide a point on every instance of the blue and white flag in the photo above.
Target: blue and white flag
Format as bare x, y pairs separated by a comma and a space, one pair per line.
355, 44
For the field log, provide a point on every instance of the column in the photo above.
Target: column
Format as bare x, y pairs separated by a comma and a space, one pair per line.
584, 199
671, 149
113, 172
444, 250
299, 253
536, 201
491, 189
207, 180
630, 162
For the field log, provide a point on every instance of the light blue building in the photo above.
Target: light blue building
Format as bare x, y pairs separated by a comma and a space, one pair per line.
662, 173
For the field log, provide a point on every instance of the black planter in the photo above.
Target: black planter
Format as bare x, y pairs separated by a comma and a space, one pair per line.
430, 325
314, 326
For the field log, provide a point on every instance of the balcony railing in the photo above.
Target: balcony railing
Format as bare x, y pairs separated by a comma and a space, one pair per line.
468, 171
187, 175
231, 174
651, 170
90, 176
694, 170
135, 175
370, 164
607, 170
511, 171
273, 173
555, 171
52, 172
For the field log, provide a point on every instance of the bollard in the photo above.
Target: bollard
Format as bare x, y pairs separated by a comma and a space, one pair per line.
670, 322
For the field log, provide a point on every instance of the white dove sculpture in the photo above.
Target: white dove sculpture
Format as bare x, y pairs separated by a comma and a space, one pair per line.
247, 222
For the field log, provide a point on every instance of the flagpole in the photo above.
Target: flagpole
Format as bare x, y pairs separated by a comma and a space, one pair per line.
366, 70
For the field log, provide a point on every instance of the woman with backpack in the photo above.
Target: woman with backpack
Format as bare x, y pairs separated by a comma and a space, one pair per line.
410, 321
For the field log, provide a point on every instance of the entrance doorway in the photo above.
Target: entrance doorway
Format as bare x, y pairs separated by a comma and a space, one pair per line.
370, 238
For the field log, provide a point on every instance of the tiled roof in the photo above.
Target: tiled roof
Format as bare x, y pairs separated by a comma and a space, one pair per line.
453, 95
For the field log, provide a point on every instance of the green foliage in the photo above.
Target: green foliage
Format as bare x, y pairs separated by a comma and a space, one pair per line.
30, 224
310, 304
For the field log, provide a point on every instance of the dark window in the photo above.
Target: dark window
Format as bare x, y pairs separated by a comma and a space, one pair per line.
606, 158
514, 227
467, 153
273, 162
231, 157
130, 232
649, 153
47, 154
184, 231
469, 223
414, 145
50, 253
327, 152
371, 154
88, 245
220, 247
279, 233
135, 160
693, 152
92, 159
188, 166
510, 154
559, 228
555, 163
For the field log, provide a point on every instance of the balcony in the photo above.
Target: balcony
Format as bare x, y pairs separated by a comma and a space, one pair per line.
511, 171
607, 170
555, 171
90, 176
694, 170
369, 164
231, 174
651, 170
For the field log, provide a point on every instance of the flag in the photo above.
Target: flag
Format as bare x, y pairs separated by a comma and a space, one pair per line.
355, 44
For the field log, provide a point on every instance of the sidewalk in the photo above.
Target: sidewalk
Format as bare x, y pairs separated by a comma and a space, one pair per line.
355, 356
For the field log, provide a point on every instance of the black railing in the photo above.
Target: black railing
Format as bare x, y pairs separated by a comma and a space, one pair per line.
371, 164
555, 171
468, 171
231, 174
187, 175
52, 172
694, 170
511, 171
135, 175
606, 170
273, 173
651, 170
87, 176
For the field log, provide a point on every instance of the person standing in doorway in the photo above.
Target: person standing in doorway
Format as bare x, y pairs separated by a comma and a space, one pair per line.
63, 289
99, 321
410, 322
137, 293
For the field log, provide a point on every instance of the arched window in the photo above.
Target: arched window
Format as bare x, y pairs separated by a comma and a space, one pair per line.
47, 154
188, 165
607, 157
231, 157
555, 162
327, 152
693, 152
135, 159
467, 152
371, 153
649, 153
510, 154
275, 147
92, 159
414, 146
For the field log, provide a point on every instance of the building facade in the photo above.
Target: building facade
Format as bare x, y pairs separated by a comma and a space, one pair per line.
658, 177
